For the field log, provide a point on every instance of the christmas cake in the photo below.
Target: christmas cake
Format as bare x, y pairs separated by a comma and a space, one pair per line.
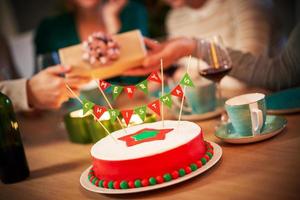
148, 154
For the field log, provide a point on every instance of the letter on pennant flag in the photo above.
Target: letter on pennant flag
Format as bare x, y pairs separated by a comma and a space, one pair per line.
177, 91
154, 77
99, 111
155, 106
166, 99
143, 86
127, 115
141, 112
187, 81
113, 114
87, 105
116, 91
104, 85
129, 90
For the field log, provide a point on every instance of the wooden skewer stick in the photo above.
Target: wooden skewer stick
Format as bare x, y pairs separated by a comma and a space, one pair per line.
162, 90
184, 88
109, 104
77, 97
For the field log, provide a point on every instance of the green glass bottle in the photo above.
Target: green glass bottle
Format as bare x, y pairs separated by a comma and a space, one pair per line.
13, 163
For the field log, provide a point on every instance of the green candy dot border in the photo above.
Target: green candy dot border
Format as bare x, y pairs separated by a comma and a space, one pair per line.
152, 181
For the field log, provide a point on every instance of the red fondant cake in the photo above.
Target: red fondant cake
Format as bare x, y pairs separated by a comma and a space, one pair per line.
148, 154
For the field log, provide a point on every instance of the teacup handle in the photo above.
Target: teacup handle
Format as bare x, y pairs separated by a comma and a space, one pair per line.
257, 120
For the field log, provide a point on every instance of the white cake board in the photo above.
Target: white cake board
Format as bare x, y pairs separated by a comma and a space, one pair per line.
89, 186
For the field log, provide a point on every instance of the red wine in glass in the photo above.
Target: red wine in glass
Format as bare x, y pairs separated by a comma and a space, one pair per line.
215, 74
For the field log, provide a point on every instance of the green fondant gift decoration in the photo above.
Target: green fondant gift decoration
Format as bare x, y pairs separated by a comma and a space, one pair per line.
141, 112
113, 114
166, 99
145, 135
87, 105
143, 86
187, 81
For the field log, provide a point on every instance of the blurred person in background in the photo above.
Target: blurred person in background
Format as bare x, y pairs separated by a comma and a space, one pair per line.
243, 25
274, 73
86, 17
45, 90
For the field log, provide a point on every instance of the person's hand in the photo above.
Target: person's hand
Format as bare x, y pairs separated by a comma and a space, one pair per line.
169, 51
152, 46
47, 89
111, 15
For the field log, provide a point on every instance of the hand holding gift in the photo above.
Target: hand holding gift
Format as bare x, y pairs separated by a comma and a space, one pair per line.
47, 90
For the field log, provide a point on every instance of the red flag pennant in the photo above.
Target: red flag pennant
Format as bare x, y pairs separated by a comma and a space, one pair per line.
177, 91
127, 115
129, 90
99, 111
155, 106
104, 85
154, 77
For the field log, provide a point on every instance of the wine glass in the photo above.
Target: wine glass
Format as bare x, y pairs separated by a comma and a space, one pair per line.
45, 60
217, 64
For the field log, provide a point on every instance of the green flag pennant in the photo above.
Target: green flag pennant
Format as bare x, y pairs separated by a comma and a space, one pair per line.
87, 105
166, 99
187, 81
113, 113
116, 91
141, 112
143, 86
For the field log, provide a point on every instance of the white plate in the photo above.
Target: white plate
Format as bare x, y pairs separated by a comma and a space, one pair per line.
89, 186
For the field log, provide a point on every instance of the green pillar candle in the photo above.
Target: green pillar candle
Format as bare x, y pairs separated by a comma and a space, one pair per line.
150, 118
76, 125
97, 132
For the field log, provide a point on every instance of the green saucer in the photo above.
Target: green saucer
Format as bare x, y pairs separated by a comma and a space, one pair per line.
273, 126
284, 102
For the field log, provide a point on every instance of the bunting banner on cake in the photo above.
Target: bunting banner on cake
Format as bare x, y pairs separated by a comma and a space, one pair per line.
87, 105
113, 113
104, 85
177, 91
127, 115
141, 112
143, 86
155, 106
99, 111
116, 91
154, 77
187, 81
129, 90
166, 99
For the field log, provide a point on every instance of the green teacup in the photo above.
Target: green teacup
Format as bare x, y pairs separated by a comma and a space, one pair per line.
247, 113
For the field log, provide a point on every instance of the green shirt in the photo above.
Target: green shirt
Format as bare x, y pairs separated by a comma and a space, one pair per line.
60, 31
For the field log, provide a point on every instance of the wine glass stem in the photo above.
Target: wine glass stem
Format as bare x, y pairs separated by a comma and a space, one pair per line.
219, 92
223, 119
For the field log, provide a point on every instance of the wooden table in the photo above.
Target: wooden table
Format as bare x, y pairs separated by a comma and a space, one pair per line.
265, 170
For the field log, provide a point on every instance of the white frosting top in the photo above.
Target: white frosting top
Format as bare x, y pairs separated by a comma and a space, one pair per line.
115, 150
